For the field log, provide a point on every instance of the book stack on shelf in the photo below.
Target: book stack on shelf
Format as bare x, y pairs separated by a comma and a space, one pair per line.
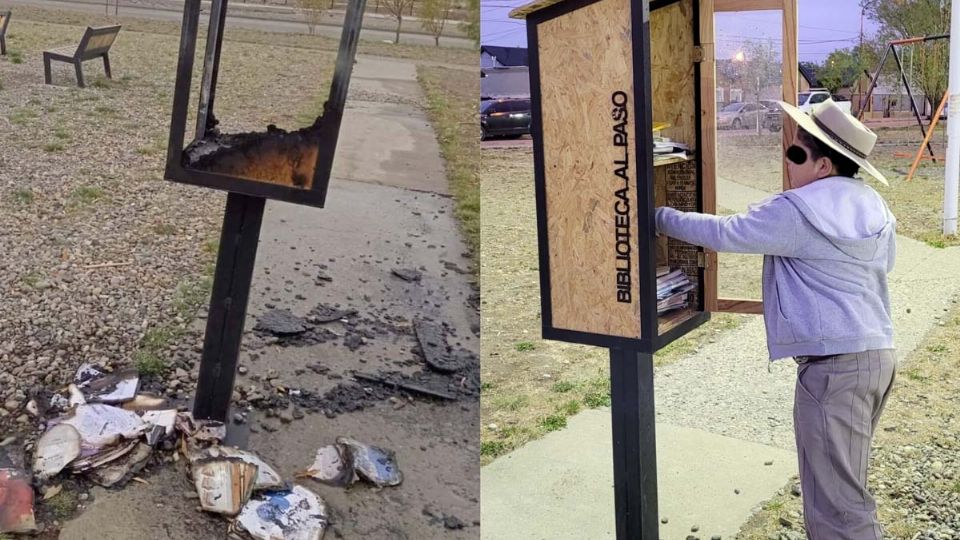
672, 288
666, 150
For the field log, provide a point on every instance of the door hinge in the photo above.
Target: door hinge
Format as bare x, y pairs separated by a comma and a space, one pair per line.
701, 259
697, 54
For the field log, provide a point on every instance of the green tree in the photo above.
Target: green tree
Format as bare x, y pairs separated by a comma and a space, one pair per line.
900, 19
434, 15
841, 69
472, 24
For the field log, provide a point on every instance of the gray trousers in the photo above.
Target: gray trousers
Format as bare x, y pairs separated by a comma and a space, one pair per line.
837, 405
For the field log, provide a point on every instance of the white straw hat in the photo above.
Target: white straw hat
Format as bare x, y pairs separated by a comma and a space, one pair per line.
840, 131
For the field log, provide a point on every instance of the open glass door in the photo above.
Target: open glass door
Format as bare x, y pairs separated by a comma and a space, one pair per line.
754, 46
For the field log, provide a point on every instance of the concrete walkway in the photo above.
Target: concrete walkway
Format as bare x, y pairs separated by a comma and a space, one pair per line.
721, 415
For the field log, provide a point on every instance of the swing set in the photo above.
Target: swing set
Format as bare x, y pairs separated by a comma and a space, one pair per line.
927, 134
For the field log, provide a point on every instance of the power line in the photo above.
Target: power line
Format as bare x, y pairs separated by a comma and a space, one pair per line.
500, 33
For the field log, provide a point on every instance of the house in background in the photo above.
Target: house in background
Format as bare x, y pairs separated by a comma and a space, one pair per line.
808, 77
493, 56
505, 82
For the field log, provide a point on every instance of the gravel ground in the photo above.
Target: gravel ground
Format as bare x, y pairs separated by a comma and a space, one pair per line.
726, 387
81, 185
915, 462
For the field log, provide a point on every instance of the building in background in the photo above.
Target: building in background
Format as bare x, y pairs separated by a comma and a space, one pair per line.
493, 56
504, 82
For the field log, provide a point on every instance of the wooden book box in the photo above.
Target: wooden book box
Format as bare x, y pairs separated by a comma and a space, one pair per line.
603, 74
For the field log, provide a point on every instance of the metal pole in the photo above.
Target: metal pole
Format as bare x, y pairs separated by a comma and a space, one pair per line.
211, 66
758, 105
228, 305
634, 444
913, 104
339, 87
873, 82
950, 189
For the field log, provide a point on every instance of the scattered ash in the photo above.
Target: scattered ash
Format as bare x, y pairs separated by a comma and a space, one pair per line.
280, 322
408, 274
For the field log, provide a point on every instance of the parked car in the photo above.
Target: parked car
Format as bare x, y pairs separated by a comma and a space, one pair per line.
806, 100
504, 117
772, 116
739, 115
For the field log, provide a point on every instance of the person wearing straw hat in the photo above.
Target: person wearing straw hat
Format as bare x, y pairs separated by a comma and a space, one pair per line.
828, 244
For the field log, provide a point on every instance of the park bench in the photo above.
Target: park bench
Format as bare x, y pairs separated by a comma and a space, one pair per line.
4, 21
96, 43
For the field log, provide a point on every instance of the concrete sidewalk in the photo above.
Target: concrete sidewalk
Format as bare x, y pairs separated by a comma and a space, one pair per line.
720, 416
561, 487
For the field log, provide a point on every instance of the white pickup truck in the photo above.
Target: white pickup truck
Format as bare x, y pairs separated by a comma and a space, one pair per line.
806, 100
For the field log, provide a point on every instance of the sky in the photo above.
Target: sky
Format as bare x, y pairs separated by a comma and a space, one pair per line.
825, 25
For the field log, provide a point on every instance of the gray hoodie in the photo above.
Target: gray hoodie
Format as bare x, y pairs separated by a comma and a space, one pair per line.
828, 247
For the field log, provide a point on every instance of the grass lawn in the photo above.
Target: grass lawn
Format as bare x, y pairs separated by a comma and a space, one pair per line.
453, 107
530, 386
421, 53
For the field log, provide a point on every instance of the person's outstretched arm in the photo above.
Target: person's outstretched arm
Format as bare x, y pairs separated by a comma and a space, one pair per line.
768, 228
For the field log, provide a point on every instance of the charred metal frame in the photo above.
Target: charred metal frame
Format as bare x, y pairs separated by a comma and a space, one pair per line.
243, 215
176, 168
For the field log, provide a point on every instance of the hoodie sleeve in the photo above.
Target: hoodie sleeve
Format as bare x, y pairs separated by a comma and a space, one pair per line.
767, 228
892, 250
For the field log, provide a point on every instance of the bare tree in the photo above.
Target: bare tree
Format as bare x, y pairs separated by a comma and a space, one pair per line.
472, 24
396, 8
434, 15
312, 11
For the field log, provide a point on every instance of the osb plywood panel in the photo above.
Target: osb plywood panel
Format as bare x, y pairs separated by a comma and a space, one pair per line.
672, 78
522, 11
590, 168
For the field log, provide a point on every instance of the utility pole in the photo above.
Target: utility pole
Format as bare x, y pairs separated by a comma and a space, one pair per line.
859, 66
950, 186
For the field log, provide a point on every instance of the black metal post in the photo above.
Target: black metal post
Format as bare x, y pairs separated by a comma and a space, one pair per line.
211, 65
873, 82
228, 305
339, 86
913, 105
634, 444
